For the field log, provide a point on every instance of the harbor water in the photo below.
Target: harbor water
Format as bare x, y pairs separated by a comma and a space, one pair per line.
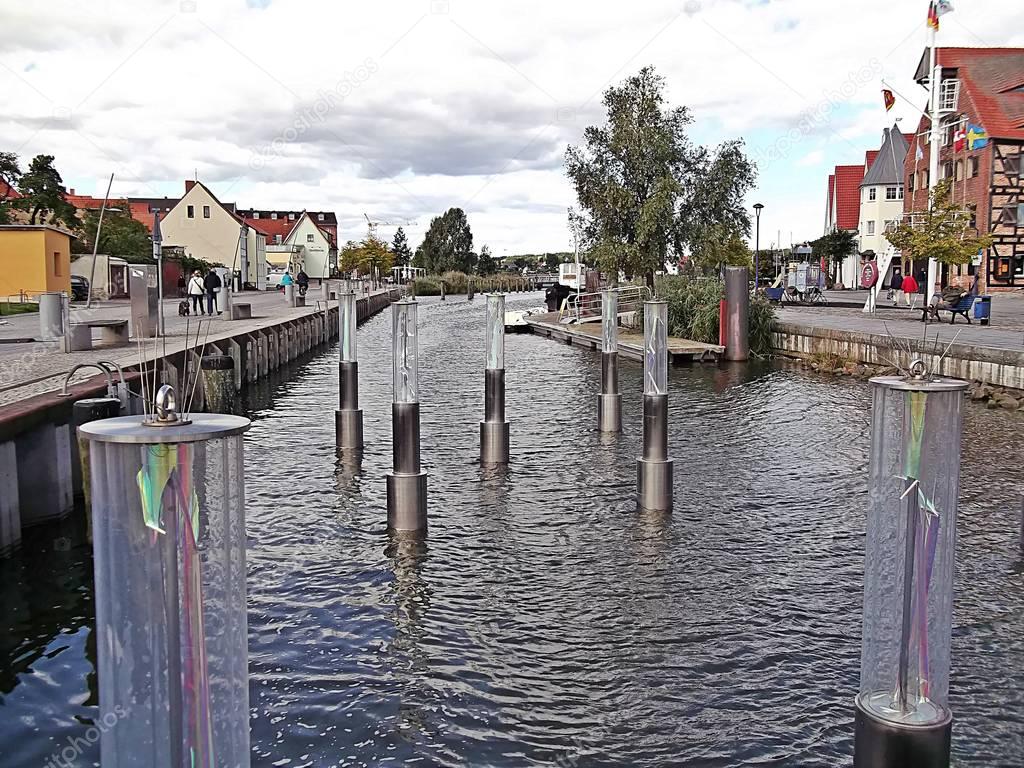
544, 621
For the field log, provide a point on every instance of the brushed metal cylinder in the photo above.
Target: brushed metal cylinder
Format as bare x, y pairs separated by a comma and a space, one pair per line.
737, 308
494, 442
494, 394
405, 438
880, 744
348, 428
609, 413
407, 502
654, 485
609, 373
656, 427
348, 386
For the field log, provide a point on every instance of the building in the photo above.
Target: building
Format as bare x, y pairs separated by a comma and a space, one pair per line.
109, 276
842, 211
279, 223
981, 114
319, 253
881, 193
34, 258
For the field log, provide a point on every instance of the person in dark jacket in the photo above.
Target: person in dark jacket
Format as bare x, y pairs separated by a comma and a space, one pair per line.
212, 284
895, 284
302, 280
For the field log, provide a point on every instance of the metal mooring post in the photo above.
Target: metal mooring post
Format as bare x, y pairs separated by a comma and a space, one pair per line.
902, 710
494, 427
609, 401
737, 310
169, 540
654, 468
406, 483
348, 419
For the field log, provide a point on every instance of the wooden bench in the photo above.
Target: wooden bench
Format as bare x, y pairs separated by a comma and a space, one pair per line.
241, 311
962, 307
113, 333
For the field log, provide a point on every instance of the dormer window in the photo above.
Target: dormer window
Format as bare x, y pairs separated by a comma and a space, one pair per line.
291, 217
949, 91
273, 216
255, 214
320, 217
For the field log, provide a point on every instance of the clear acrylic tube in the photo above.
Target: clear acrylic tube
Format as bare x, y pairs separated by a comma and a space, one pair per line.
609, 321
495, 330
347, 326
909, 549
655, 348
406, 362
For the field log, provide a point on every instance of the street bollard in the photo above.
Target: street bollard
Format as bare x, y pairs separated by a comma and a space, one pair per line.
82, 412
737, 310
494, 427
407, 482
348, 419
609, 401
170, 549
654, 468
902, 710
289, 294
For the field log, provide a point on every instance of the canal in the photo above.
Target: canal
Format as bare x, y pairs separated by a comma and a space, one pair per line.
544, 621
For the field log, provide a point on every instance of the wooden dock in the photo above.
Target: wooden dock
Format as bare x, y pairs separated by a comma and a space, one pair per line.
631, 345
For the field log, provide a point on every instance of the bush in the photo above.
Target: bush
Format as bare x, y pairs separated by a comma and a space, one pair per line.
693, 312
458, 282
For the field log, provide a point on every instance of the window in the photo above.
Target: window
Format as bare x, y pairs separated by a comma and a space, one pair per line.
947, 169
291, 217
1011, 165
277, 239
871, 193
1008, 215
309, 238
973, 164
890, 225
255, 214
948, 134
910, 181
320, 217
948, 92
891, 193
190, 211
1020, 212
959, 170
273, 216
973, 222
206, 211
871, 227
56, 263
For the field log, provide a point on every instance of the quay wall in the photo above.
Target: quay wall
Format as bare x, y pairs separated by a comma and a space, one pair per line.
38, 445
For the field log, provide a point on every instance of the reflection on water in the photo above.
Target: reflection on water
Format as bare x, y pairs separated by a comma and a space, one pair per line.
544, 621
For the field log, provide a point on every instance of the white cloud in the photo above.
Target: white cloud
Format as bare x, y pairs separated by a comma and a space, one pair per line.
467, 103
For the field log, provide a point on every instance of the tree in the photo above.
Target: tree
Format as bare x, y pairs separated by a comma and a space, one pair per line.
834, 246
10, 173
370, 257
722, 246
448, 244
551, 261
42, 191
400, 248
942, 232
121, 235
646, 194
485, 264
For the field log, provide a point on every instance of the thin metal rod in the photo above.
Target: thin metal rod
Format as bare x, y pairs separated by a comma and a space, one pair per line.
910, 547
96, 242
199, 371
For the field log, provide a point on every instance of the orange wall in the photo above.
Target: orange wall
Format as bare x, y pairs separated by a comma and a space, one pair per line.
34, 260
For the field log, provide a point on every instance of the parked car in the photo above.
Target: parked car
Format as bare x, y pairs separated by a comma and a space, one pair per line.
79, 288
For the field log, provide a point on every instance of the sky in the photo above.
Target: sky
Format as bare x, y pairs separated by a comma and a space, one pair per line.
400, 110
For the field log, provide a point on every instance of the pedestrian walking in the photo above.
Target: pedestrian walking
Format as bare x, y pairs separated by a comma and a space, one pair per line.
213, 285
909, 288
895, 285
196, 290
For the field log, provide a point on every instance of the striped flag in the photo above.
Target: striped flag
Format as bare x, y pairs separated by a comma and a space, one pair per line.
888, 98
938, 8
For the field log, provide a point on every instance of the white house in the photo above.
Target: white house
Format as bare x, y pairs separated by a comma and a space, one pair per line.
881, 193
320, 256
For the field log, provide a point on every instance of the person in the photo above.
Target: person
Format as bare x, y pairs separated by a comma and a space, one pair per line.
195, 292
212, 284
181, 286
286, 279
895, 285
948, 299
303, 281
909, 288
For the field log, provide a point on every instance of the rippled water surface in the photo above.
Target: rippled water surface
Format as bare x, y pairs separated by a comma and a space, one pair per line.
544, 621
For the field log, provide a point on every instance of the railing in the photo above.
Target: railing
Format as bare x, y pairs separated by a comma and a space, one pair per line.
586, 307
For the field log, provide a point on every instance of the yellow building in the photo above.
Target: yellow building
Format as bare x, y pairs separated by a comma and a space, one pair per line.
34, 258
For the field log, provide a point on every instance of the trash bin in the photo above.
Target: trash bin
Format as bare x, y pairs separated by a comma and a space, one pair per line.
983, 309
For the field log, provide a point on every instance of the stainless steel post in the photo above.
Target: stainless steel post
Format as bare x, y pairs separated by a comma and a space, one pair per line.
494, 427
609, 401
737, 308
289, 294
407, 482
348, 419
51, 315
654, 468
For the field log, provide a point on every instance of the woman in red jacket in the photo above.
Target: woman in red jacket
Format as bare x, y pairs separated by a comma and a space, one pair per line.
909, 287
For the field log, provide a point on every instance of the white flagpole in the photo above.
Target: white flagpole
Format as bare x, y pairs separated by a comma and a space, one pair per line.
933, 149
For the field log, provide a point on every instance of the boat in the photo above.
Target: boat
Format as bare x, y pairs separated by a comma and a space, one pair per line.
515, 320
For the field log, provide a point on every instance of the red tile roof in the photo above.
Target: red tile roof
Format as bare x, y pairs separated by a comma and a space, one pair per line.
270, 227
7, 192
847, 187
828, 205
869, 157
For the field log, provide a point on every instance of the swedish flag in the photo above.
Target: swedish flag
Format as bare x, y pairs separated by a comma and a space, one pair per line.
976, 136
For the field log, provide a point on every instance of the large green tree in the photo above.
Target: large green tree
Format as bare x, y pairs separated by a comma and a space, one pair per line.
834, 246
646, 193
400, 248
10, 173
369, 257
42, 191
121, 235
942, 232
486, 264
448, 244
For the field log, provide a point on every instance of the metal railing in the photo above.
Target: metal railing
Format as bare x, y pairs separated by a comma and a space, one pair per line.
586, 307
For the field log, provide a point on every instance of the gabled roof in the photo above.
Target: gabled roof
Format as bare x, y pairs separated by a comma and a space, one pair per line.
887, 167
847, 193
869, 157
7, 192
307, 215
993, 79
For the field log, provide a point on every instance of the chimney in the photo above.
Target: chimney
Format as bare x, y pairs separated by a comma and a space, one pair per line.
71, 191
188, 185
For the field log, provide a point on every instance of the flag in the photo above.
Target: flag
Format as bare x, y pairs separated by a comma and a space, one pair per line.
933, 17
976, 136
942, 7
920, 152
959, 137
888, 98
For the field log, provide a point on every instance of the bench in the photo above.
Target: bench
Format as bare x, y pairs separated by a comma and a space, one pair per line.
241, 311
962, 307
113, 333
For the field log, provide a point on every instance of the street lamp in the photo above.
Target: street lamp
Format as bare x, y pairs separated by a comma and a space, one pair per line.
757, 242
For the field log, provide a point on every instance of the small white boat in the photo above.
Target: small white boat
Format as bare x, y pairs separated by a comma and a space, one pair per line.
515, 320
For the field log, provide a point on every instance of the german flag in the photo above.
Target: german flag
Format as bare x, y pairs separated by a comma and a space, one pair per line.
933, 16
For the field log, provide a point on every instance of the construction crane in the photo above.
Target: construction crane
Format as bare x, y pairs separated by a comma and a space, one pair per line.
374, 224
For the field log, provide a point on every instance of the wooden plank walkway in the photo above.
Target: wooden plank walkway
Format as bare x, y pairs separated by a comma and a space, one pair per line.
631, 345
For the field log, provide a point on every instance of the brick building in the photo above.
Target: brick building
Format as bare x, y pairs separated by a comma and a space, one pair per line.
981, 114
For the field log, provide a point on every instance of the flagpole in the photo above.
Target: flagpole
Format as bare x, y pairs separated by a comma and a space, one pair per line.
934, 83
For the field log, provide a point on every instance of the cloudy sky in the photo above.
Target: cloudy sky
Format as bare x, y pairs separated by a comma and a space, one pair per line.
402, 109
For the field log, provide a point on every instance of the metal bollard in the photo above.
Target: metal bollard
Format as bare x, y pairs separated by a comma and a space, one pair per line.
654, 468
407, 482
609, 401
289, 294
82, 412
494, 427
902, 711
51, 315
737, 310
348, 419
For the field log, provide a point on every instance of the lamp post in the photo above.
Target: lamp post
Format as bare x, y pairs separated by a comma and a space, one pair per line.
757, 242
